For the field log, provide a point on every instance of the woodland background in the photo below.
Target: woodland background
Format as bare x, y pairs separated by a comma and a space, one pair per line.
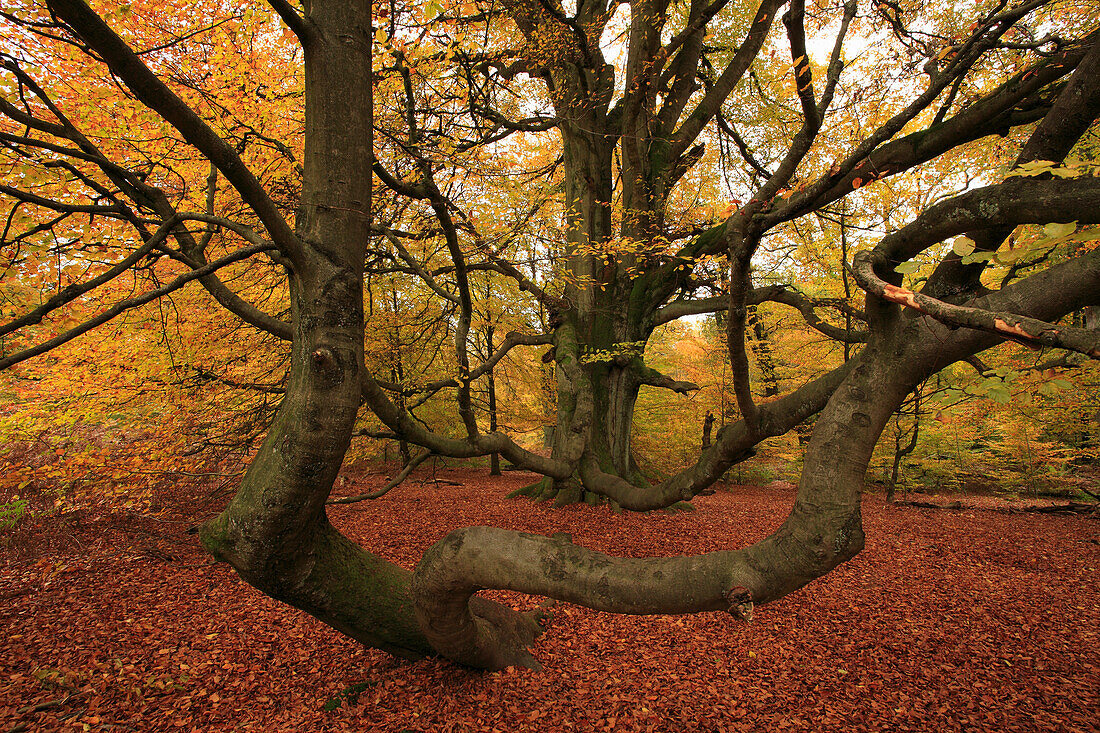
176, 395
178, 392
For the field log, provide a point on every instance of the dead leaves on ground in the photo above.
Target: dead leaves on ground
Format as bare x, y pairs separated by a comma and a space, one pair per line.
970, 620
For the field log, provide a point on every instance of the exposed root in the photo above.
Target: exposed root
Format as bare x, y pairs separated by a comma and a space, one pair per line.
512, 633
531, 490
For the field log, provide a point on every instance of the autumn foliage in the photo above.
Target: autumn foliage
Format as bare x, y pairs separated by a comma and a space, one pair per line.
740, 296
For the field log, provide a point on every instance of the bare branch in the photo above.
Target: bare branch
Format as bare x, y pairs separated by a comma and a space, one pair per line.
391, 484
1028, 331
712, 101
133, 302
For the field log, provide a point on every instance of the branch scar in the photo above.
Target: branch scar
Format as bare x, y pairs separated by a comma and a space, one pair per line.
899, 295
1001, 325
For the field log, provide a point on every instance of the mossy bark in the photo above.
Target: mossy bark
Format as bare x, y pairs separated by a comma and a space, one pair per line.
275, 532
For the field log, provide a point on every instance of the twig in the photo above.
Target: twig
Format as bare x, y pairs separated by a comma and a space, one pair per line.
409, 468
43, 705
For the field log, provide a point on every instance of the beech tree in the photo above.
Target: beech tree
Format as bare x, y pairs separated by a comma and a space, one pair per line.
631, 131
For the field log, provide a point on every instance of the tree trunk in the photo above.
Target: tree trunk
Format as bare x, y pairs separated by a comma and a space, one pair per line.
901, 451
708, 426
494, 457
275, 532
597, 374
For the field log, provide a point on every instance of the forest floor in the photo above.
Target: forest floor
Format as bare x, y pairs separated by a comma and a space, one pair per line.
965, 620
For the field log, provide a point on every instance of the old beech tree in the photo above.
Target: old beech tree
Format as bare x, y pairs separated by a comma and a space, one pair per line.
633, 93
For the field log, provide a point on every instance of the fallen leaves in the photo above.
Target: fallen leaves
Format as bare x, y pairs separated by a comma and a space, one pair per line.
969, 620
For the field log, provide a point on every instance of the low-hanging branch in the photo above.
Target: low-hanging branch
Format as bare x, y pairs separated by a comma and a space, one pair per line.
406, 427
390, 485
1029, 331
134, 302
512, 340
806, 306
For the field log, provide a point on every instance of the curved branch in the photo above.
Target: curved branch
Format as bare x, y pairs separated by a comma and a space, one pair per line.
512, 340
775, 294
1071, 115
476, 558
147, 87
399, 421
1016, 201
391, 484
1028, 331
134, 302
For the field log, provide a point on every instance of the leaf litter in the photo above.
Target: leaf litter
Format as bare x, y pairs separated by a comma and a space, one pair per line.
949, 621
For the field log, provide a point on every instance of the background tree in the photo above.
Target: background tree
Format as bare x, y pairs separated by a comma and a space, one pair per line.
626, 142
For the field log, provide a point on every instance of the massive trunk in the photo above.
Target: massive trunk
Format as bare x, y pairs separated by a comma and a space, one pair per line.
596, 397
275, 532
600, 336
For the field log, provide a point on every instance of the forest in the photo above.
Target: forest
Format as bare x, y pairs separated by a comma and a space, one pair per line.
580, 360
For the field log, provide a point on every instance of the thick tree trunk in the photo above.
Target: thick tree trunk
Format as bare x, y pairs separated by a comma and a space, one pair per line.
597, 375
491, 384
275, 532
608, 393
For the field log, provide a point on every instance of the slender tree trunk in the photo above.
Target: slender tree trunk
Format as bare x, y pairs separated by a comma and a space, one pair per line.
708, 426
901, 451
494, 457
397, 370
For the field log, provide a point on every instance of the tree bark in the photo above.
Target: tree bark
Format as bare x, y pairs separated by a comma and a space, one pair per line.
491, 384
275, 532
